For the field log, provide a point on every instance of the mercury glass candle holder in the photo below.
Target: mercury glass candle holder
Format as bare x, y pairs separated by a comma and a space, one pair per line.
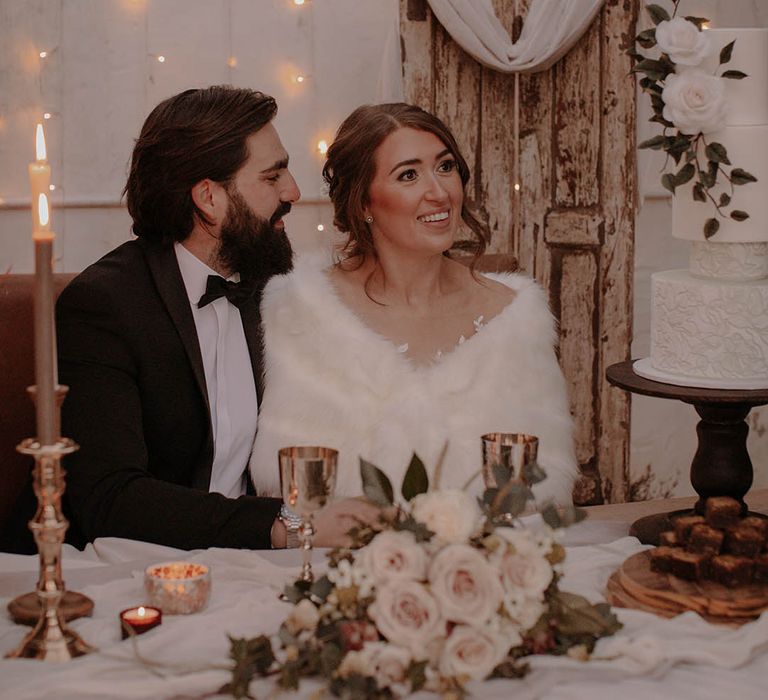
178, 587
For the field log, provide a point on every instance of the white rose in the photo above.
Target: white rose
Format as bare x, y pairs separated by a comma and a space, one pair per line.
683, 41
472, 652
522, 564
406, 614
451, 514
304, 616
694, 101
389, 662
357, 662
393, 555
465, 585
523, 612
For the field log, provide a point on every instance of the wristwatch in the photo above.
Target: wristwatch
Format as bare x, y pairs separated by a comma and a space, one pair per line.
292, 523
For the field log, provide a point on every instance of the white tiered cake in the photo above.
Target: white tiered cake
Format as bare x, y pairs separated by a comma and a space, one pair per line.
709, 324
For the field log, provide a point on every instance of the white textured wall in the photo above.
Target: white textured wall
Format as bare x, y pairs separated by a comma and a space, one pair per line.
102, 78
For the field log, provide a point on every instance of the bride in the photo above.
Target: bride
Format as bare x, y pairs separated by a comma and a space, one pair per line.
398, 348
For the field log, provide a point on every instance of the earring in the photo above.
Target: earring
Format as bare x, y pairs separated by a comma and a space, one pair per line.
369, 219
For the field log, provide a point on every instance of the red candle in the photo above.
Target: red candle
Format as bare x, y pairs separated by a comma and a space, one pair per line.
140, 619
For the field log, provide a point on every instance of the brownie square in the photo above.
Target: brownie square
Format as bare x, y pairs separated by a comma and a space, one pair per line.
661, 558
760, 569
730, 570
722, 511
759, 524
705, 539
743, 541
687, 565
668, 539
683, 526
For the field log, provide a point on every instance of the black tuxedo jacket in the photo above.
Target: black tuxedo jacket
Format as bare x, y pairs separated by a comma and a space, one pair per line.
138, 407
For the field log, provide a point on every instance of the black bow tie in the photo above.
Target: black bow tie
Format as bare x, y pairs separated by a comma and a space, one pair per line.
236, 292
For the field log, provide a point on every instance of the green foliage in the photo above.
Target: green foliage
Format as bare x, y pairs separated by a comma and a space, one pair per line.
741, 177
416, 480
251, 657
711, 227
738, 215
376, 485
726, 52
657, 13
716, 152
734, 75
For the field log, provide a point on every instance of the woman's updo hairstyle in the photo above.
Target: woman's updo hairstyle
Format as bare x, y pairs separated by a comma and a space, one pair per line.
350, 167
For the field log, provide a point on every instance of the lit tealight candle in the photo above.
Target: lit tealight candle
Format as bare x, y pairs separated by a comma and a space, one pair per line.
140, 620
322, 146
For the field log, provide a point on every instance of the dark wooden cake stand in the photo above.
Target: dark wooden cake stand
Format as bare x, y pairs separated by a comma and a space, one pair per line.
721, 465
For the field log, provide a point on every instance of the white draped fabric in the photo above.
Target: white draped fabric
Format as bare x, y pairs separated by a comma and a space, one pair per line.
549, 31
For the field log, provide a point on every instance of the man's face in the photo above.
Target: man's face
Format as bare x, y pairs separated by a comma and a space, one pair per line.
252, 239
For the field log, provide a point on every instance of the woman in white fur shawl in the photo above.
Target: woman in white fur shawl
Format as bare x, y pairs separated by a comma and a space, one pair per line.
397, 348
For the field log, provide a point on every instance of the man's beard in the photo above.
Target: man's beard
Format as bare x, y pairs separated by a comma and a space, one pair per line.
251, 245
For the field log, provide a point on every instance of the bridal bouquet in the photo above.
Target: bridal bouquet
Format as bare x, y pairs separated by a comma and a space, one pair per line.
690, 104
449, 589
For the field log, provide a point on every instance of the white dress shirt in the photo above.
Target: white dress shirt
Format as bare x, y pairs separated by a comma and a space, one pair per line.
228, 376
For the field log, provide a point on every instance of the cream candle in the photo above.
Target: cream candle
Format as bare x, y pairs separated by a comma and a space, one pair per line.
39, 176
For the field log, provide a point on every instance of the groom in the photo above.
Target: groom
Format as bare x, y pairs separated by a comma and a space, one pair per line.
160, 340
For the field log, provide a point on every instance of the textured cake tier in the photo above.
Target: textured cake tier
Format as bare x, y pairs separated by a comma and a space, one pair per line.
748, 149
710, 329
729, 261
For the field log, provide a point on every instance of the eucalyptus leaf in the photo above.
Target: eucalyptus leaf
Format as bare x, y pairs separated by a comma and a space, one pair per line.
741, 177
572, 515
726, 52
655, 144
739, 215
647, 38
725, 199
657, 13
550, 516
711, 227
716, 152
514, 499
416, 675
698, 193
415, 480
330, 659
577, 616
698, 21
501, 474
321, 588
533, 473
734, 75
376, 485
685, 174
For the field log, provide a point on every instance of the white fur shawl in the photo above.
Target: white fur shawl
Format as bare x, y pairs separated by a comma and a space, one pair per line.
331, 380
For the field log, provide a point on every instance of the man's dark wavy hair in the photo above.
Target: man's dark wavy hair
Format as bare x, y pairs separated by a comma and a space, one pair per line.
195, 135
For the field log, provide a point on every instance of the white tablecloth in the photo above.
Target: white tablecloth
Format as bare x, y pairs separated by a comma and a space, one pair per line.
649, 658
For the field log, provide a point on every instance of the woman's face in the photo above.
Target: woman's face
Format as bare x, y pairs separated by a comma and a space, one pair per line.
416, 194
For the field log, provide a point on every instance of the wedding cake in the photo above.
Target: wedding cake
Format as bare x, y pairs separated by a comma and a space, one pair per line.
709, 324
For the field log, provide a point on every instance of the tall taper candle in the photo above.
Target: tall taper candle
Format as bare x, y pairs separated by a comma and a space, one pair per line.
39, 175
45, 340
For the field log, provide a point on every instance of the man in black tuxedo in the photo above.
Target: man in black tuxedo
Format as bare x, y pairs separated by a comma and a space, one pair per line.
160, 340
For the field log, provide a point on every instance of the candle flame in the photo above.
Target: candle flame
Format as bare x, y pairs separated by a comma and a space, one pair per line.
40, 143
42, 208
141, 611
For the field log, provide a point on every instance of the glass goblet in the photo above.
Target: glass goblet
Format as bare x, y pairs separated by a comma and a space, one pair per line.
510, 451
307, 480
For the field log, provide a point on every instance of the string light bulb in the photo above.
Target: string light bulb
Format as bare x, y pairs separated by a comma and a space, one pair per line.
517, 187
298, 2
322, 146
320, 227
232, 62
51, 187
47, 115
43, 54
161, 59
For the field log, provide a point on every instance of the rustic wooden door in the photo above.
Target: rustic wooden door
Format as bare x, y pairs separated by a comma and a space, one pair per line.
571, 222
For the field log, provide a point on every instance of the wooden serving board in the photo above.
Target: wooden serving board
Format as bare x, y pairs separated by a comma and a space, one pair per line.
634, 585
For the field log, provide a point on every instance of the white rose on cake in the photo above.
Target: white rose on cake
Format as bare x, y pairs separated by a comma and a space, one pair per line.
451, 514
465, 585
472, 652
393, 555
406, 614
682, 41
695, 101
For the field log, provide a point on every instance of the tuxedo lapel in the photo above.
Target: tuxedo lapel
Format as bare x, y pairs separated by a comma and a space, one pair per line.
170, 286
251, 317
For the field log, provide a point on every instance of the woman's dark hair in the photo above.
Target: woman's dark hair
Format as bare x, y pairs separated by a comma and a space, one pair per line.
350, 167
187, 138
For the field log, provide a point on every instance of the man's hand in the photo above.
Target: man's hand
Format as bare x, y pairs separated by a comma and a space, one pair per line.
334, 521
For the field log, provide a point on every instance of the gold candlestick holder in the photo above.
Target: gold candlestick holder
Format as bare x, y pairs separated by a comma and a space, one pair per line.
50, 639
